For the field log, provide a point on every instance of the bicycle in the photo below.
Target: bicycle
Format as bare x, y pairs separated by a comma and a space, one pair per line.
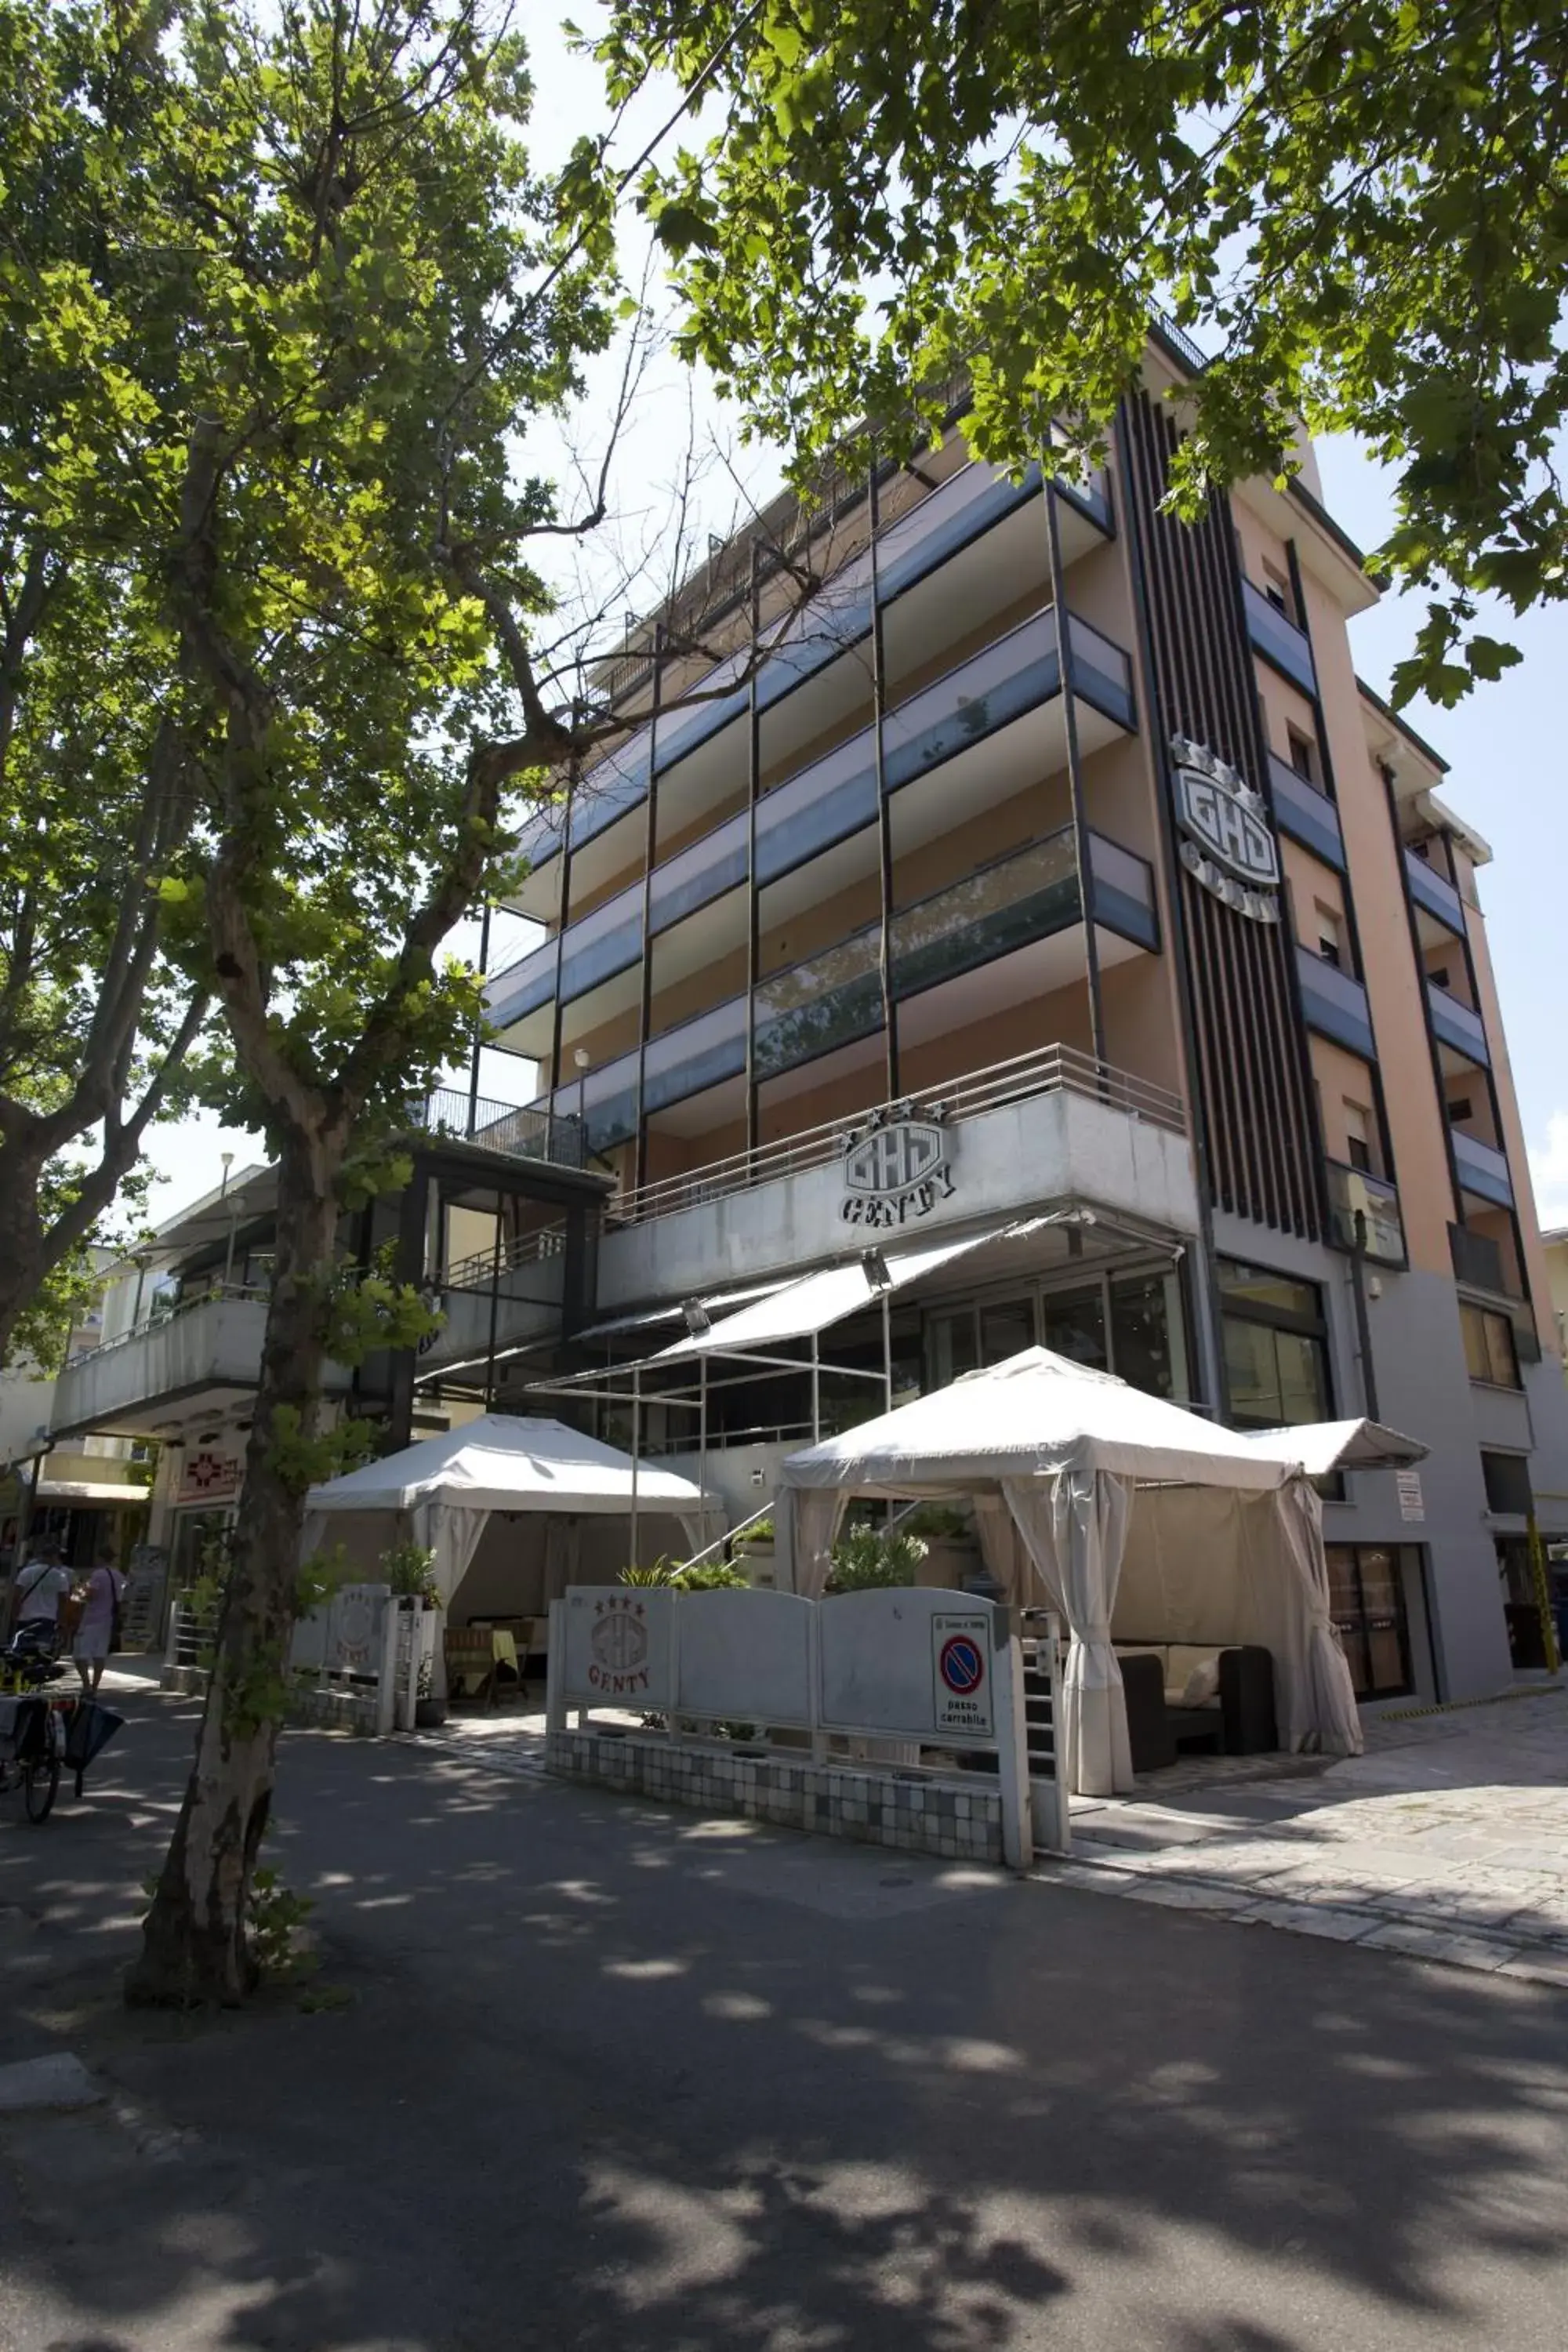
34, 1724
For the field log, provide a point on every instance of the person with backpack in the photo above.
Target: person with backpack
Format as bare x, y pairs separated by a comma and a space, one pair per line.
98, 1626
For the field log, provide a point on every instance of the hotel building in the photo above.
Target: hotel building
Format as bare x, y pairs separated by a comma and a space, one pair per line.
1019, 897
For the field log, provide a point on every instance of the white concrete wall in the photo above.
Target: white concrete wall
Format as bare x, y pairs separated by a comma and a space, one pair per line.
1052, 1147
215, 1345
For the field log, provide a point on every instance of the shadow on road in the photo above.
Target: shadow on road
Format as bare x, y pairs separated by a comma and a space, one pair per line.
615, 2076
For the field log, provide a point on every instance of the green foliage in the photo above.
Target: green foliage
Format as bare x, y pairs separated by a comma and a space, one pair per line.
865, 1556
410, 1569
274, 1919
937, 1522
1359, 207
711, 1576
761, 1531
318, 1579
663, 1572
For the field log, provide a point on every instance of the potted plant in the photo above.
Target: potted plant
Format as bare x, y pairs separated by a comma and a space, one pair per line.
409, 1569
866, 1556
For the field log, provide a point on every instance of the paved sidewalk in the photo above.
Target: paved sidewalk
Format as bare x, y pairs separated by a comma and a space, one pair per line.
1446, 1841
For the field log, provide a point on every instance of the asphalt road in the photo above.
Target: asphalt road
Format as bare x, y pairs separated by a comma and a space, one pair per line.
609, 2076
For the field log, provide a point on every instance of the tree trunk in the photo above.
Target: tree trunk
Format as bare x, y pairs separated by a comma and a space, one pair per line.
23, 1263
195, 1946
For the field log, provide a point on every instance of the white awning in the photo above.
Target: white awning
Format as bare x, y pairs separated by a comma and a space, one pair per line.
1322, 1447
799, 1308
90, 1490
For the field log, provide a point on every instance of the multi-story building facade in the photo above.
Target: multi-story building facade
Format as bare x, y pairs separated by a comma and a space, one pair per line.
1020, 868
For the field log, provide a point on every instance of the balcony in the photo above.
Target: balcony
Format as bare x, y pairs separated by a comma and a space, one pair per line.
1304, 812
828, 802
1047, 1126
1456, 1025
1435, 892
186, 1365
527, 1132
1478, 1261
1278, 639
1482, 1168
952, 516
1335, 1005
1364, 1210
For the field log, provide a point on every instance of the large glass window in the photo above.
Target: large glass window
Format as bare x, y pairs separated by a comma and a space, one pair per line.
1366, 1600
1129, 1324
1275, 1348
1148, 1338
951, 1339
1006, 1331
1489, 1353
1075, 1324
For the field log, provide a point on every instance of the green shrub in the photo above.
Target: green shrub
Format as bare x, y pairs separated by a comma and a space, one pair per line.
711, 1576
865, 1557
937, 1522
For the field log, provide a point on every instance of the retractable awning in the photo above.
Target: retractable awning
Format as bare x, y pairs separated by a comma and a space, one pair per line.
799, 1309
1322, 1447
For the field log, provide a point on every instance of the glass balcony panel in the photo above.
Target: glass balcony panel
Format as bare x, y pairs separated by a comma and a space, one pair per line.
695, 1056
1101, 672
606, 1101
1278, 639
522, 987
1435, 892
825, 803
1124, 891
950, 519
1334, 1004
1456, 1025
1022, 898
1478, 1260
1482, 1168
828, 1001
1304, 812
700, 873
609, 789
1018, 672
1354, 1190
603, 943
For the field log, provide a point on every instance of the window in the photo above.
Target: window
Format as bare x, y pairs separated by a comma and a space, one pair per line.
1005, 1330
1275, 1348
1148, 1337
1489, 1347
1366, 1601
1438, 973
1459, 1107
1277, 588
1507, 1483
1075, 1326
951, 1339
1303, 753
1358, 1137
1331, 927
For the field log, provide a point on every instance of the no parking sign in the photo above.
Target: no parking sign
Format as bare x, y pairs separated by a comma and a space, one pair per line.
961, 1671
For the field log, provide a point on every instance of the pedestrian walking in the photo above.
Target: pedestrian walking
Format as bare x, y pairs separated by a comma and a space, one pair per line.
40, 1587
98, 1626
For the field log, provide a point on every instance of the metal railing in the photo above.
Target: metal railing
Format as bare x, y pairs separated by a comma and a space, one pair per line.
1051, 1069
476, 1271
525, 1131
158, 1318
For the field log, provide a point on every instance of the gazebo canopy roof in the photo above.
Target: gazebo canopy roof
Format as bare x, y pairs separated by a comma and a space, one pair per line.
1035, 1414
501, 1463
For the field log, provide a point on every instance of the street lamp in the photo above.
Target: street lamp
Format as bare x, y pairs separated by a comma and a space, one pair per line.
581, 1058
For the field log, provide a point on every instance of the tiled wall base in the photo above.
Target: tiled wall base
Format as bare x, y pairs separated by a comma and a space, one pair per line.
959, 1820
325, 1709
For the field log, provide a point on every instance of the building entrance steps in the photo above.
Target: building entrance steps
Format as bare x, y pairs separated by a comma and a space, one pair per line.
1448, 1839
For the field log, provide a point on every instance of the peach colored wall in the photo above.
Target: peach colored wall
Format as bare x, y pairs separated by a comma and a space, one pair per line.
1512, 1136
725, 977
1310, 884
1343, 1079
1138, 1009
1393, 983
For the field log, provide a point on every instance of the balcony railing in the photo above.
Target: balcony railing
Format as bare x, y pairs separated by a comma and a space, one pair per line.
1454, 1024
1355, 1194
1334, 1004
959, 511
818, 1006
1435, 892
1304, 812
1478, 1260
1482, 1168
1278, 639
529, 1131
1053, 1069
830, 800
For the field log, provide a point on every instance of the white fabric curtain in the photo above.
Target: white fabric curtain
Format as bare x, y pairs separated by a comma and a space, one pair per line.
1334, 1724
999, 1545
808, 1519
452, 1531
562, 1550
1074, 1528
314, 1536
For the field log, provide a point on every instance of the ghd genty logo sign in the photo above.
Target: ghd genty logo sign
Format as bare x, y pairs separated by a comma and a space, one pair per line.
1230, 848
895, 1173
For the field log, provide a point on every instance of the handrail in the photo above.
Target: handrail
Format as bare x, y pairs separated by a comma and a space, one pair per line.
1050, 1069
764, 1510
213, 1294
476, 1269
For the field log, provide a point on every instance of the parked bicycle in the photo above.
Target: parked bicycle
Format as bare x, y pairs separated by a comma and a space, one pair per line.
42, 1731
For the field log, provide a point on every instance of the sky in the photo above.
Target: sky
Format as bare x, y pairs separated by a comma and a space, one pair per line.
1505, 745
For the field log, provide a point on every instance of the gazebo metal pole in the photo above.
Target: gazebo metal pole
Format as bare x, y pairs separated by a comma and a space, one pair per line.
887, 1350
703, 1441
636, 1440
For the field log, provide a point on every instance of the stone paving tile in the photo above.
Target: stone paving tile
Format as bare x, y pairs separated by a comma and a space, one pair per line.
1313, 1919
1437, 1944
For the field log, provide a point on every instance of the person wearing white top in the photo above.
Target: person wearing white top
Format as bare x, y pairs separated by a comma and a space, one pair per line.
39, 1588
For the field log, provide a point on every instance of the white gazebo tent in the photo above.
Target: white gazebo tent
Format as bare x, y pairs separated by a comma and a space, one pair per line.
547, 1482
1074, 1476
